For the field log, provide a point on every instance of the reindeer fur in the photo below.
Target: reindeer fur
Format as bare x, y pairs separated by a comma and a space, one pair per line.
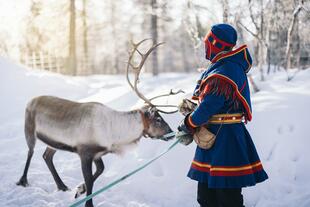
89, 129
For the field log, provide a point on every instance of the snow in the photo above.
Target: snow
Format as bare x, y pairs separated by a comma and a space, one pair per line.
278, 129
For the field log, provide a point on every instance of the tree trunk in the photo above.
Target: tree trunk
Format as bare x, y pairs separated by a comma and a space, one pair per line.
154, 33
186, 65
261, 44
85, 43
290, 34
268, 60
298, 47
255, 88
72, 70
225, 7
261, 61
115, 40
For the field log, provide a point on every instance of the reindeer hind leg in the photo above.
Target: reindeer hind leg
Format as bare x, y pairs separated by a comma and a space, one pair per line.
23, 180
48, 157
31, 141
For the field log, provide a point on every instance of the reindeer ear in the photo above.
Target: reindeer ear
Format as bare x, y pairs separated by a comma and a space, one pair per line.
146, 109
153, 110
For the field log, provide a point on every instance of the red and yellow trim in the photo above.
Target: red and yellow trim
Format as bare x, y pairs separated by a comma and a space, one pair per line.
239, 95
226, 118
228, 170
195, 98
216, 39
246, 58
243, 48
228, 54
191, 123
221, 56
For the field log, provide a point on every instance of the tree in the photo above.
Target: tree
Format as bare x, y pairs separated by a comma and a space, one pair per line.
113, 19
72, 43
225, 7
294, 20
85, 29
154, 35
260, 34
35, 38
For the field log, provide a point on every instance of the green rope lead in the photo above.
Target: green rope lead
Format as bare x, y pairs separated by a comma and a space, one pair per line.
127, 175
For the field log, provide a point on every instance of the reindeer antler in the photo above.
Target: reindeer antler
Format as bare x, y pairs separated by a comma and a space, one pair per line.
168, 94
137, 70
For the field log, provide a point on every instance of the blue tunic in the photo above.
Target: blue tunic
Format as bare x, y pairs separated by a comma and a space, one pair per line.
233, 161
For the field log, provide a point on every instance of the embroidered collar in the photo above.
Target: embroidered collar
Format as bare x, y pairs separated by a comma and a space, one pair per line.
221, 56
240, 55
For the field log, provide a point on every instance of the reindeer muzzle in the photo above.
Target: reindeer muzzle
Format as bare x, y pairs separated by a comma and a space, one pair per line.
168, 136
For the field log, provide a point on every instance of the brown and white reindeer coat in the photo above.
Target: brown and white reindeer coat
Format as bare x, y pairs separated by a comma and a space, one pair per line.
89, 129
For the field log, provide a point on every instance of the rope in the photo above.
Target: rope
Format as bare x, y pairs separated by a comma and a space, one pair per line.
130, 173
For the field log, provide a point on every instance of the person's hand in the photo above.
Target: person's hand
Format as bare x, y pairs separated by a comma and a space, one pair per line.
186, 107
185, 133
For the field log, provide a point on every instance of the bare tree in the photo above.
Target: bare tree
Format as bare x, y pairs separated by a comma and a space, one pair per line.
261, 33
195, 30
72, 43
293, 22
225, 6
103, 39
154, 34
114, 20
34, 35
85, 30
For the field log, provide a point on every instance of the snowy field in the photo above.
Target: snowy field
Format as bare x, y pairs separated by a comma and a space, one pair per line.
279, 130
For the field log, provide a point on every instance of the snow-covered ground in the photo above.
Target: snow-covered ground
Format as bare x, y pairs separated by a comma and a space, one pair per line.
279, 130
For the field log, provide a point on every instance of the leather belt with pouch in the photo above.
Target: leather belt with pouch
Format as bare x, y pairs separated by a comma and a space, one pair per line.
204, 138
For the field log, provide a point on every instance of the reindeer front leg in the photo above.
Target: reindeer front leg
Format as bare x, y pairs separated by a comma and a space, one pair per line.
86, 162
99, 170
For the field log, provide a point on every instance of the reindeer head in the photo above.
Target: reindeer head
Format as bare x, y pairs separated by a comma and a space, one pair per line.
154, 125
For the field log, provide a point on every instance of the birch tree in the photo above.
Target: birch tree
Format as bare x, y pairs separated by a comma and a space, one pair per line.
293, 23
85, 31
225, 7
154, 35
260, 33
71, 66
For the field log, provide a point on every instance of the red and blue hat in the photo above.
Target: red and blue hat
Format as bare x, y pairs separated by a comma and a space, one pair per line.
222, 37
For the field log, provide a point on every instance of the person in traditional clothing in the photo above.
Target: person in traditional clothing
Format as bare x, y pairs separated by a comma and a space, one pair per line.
224, 106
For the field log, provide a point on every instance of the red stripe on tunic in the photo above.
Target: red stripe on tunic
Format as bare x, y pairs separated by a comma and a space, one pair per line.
229, 173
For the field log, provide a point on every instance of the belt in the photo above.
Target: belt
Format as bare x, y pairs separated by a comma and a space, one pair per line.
226, 118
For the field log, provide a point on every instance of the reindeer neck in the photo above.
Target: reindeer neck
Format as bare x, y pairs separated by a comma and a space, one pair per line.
130, 127
145, 122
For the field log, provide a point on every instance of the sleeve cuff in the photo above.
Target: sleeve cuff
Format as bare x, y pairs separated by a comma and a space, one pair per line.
191, 123
195, 98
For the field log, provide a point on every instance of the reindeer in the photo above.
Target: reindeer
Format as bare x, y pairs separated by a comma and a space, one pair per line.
90, 129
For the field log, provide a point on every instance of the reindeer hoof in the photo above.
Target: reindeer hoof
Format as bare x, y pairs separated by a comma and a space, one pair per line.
81, 189
63, 188
88, 204
23, 182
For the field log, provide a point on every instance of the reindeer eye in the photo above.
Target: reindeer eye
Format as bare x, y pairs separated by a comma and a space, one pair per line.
158, 119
